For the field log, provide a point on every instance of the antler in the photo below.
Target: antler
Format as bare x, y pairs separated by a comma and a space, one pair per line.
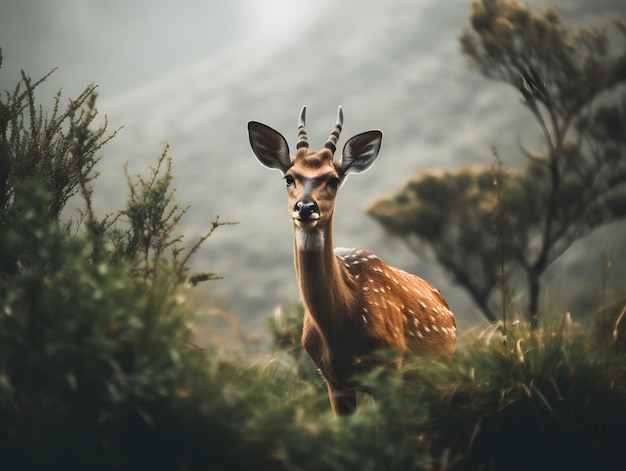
302, 137
331, 143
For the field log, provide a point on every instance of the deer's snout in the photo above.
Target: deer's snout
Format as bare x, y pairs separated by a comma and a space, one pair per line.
305, 209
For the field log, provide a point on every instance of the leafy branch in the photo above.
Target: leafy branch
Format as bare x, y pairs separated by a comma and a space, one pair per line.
153, 215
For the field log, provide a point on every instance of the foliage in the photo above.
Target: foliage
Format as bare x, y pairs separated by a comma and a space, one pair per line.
50, 148
111, 384
285, 330
57, 150
96, 371
85, 345
94, 341
153, 215
577, 185
547, 399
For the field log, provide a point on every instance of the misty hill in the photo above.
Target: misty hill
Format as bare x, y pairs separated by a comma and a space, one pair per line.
396, 67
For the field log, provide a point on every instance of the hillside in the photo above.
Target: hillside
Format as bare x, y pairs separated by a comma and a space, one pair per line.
396, 67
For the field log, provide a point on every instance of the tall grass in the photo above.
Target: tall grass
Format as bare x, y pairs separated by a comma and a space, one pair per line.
552, 398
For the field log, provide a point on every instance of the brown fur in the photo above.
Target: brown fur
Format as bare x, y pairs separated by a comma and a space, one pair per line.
354, 302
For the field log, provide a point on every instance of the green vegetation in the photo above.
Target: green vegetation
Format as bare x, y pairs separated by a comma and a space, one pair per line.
98, 367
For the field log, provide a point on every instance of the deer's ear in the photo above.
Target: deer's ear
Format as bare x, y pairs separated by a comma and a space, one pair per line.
269, 146
360, 151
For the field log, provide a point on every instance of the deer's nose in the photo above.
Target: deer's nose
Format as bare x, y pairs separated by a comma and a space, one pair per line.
305, 209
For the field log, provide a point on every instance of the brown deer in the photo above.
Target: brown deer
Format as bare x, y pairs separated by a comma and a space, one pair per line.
354, 302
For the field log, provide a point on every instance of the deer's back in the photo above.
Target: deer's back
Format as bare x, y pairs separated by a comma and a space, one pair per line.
398, 309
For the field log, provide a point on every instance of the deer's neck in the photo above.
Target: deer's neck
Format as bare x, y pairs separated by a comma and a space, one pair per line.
324, 282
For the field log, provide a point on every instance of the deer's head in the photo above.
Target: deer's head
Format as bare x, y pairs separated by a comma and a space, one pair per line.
313, 177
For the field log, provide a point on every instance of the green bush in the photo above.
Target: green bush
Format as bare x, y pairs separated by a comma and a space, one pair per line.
553, 399
95, 366
85, 346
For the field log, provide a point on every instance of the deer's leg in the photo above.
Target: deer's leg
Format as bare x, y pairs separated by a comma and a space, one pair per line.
342, 401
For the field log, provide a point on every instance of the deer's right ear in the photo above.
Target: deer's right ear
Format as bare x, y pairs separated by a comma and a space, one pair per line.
269, 146
361, 151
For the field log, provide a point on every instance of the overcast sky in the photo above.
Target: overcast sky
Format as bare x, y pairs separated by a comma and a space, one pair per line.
121, 45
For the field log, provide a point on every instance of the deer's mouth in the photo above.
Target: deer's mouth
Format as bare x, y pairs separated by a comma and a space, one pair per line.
305, 223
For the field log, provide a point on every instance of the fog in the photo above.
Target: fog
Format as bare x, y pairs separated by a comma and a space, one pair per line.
192, 73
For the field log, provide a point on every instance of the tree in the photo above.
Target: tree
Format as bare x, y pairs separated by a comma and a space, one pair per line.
477, 221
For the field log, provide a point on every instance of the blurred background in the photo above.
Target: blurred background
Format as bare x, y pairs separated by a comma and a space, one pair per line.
192, 73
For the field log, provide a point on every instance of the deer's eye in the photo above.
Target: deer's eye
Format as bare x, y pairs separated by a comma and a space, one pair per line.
334, 183
289, 180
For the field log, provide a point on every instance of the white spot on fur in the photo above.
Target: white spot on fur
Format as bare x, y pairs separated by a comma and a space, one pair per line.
343, 252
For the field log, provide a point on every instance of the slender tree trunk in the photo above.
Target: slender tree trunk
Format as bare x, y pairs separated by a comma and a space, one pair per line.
533, 305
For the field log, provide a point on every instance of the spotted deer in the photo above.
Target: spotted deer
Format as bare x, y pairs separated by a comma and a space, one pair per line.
354, 303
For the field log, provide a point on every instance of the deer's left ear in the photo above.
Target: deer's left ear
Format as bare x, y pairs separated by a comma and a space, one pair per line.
360, 151
269, 146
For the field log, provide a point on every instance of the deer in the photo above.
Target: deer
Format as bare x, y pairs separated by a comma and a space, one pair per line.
354, 304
